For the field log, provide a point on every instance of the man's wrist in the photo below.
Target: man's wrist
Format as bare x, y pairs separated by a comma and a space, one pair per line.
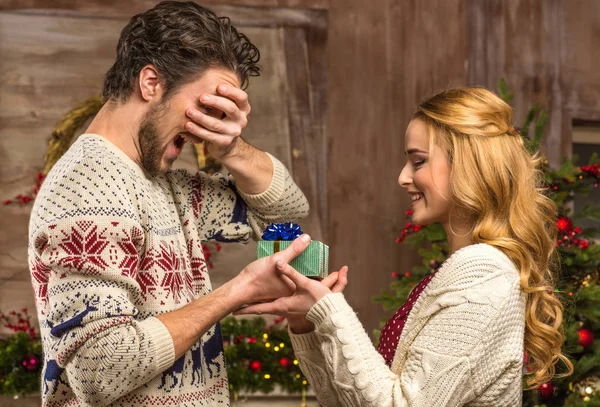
239, 290
238, 150
251, 168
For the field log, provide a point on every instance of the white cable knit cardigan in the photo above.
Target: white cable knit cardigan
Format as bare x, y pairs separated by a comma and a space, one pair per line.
462, 344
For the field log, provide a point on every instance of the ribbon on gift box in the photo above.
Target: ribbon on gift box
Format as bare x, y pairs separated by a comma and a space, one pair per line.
281, 231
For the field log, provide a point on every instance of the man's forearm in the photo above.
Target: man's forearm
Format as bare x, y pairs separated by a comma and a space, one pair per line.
251, 168
187, 324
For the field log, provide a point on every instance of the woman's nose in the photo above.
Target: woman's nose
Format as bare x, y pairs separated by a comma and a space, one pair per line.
405, 178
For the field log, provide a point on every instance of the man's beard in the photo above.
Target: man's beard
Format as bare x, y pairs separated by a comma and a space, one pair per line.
151, 149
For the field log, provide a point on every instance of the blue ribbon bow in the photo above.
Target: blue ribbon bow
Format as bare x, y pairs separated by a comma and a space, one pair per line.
282, 231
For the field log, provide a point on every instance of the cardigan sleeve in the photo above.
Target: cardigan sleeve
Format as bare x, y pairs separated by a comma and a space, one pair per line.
442, 362
359, 375
307, 350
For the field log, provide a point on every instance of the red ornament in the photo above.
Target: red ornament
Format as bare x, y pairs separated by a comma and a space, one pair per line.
252, 339
255, 365
284, 362
546, 390
586, 337
31, 363
564, 224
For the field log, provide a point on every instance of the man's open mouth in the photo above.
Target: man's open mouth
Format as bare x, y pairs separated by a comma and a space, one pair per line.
179, 141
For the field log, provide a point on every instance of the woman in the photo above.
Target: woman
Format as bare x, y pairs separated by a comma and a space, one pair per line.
459, 339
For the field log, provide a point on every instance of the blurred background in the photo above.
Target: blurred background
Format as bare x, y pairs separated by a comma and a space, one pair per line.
340, 81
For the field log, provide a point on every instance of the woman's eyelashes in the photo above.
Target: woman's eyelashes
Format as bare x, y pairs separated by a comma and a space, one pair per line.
418, 164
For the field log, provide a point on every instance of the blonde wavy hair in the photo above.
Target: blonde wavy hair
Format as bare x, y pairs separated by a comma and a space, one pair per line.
497, 184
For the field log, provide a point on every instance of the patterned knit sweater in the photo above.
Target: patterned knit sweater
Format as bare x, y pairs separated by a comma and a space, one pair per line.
111, 248
462, 344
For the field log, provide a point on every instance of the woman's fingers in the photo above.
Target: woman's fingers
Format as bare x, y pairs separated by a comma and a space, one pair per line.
342, 280
330, 280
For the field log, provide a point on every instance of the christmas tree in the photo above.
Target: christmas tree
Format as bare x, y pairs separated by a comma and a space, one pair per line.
20, 355
578, 284
260, 357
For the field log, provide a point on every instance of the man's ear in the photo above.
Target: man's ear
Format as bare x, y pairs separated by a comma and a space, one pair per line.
149, 84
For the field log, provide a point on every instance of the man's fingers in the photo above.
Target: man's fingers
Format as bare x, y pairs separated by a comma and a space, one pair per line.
216, 125
342, 280
221, 104
205, 134
295, 249
298, 279
237, 95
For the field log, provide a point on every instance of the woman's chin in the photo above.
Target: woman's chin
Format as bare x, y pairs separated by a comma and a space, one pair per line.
420, 220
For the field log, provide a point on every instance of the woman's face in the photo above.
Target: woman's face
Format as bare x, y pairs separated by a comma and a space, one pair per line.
426, 176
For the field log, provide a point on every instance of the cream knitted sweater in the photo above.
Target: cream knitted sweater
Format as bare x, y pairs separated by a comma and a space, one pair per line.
462, 344
111, 248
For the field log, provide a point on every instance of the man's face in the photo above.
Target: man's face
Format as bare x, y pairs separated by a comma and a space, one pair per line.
162, 128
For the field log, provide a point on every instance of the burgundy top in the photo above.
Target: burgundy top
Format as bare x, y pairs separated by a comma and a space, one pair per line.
390, 334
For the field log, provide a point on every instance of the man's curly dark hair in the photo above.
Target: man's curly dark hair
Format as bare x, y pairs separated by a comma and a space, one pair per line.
182, 40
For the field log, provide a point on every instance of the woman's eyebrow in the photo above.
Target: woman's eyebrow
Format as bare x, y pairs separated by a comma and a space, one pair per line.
414, 150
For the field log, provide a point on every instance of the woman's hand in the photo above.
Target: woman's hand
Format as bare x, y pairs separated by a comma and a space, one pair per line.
336, 282
307, 293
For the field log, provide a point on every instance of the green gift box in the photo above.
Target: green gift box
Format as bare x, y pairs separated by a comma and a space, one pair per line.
313, 262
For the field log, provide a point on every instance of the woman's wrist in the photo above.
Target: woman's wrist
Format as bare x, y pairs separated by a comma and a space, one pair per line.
300, 325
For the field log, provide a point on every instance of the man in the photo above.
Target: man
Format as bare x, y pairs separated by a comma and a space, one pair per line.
126, 309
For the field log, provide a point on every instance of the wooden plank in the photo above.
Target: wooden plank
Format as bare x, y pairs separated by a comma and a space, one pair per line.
305, 143
141, 4
317, 50
477, 14
383, 59
239, 14
579, 62
530, 61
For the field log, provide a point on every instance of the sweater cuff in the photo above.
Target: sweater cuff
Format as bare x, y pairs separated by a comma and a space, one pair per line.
304, 342
329, 304
161, 343
272, 194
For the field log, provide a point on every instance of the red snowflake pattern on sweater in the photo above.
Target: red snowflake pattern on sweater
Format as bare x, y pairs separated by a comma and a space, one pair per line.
128, 245
84, 245
41, 274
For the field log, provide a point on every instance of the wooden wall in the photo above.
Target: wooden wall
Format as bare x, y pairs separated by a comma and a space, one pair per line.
383, 56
